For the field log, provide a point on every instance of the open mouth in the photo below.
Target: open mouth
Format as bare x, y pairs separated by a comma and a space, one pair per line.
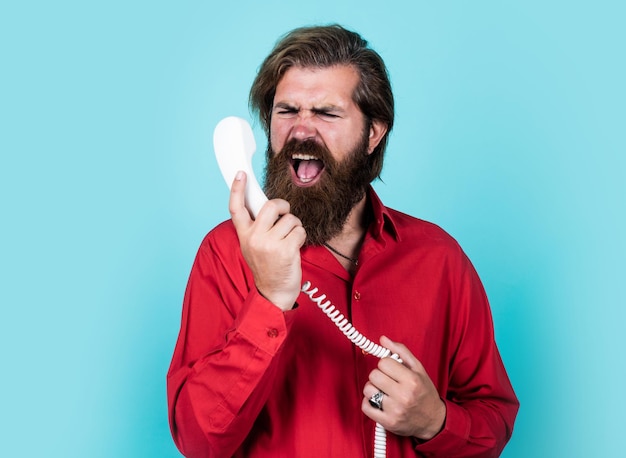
307, 169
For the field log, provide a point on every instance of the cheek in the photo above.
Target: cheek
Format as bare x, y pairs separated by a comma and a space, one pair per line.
277, 136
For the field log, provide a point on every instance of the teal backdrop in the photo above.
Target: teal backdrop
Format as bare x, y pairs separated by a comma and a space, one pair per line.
510, 134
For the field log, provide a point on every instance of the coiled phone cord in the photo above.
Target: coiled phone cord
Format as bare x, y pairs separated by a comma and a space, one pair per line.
358, 339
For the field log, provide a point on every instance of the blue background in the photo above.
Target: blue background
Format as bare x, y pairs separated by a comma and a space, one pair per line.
510, 134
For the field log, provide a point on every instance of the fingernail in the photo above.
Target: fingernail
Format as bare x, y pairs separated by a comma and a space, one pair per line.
239, 175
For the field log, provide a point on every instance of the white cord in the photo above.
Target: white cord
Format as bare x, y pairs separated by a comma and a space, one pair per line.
380, 441
358, 339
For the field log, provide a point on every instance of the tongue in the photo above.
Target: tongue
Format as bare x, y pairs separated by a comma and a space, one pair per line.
307, 170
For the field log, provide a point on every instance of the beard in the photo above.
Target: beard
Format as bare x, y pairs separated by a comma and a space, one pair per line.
325, 206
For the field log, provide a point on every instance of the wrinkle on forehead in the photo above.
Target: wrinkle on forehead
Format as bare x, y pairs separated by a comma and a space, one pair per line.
304, 83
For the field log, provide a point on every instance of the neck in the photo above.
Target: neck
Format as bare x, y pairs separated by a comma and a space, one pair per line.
349, 240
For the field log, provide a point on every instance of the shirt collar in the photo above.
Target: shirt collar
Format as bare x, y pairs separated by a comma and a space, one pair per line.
383, 219
380, 229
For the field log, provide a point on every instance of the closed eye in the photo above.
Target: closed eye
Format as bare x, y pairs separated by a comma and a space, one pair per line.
282, 109
326, 114
286, 111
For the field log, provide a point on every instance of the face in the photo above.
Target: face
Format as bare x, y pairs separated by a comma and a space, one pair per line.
316, 104
319, 146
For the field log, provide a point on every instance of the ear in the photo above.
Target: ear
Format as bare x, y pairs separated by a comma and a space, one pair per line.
378, 129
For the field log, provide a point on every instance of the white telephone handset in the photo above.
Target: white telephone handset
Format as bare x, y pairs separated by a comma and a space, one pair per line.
234, 146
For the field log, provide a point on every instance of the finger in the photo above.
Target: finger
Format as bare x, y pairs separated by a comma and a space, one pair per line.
408, 359
295, 238
369, 390
286, 222
387, 380
368, 409
237, 203
290, 227
270, 214
298, 235
372, 412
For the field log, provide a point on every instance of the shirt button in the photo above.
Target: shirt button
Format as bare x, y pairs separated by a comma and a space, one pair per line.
272, 333
357, 295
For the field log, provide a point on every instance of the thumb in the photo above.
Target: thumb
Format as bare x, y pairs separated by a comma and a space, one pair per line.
237, 203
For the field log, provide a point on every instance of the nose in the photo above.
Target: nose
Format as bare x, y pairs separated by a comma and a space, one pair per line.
303, 128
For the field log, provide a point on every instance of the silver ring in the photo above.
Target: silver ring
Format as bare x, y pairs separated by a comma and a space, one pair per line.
377, 400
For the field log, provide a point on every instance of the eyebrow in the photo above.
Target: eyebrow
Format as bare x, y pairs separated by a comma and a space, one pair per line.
284, 105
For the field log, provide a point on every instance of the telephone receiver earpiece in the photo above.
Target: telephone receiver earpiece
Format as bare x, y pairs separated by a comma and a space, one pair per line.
234, 146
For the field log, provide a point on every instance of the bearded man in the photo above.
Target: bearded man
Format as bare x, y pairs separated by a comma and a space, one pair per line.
258, 370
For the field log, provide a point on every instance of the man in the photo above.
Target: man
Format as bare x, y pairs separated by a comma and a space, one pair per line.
259, 370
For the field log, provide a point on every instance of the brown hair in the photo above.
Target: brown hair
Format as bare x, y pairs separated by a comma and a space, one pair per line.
326, 46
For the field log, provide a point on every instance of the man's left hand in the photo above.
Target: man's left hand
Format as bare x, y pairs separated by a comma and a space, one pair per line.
411, 404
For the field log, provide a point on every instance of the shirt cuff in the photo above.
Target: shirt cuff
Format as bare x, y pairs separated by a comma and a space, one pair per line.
454, 434
264, 324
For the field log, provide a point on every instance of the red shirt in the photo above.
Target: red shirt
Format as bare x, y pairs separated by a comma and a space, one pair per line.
249, 380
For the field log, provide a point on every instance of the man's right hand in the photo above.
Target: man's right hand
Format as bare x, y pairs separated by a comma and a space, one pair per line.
270, 245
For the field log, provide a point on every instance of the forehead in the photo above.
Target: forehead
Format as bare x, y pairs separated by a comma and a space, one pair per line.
303, 86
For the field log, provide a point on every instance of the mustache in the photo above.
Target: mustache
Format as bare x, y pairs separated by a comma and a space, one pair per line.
310, 147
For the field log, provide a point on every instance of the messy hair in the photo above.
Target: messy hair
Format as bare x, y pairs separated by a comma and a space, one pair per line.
322, 47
